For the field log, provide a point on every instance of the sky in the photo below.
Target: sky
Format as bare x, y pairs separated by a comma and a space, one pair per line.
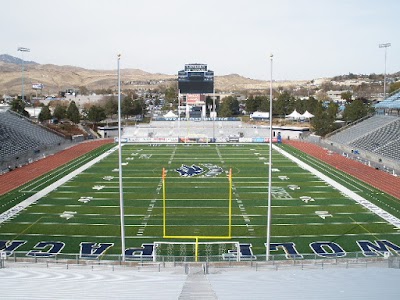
309, 39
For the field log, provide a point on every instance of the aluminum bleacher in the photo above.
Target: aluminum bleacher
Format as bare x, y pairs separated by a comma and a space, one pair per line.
354, 132
21, 138
392, 102
379, 134
379, 138
390, 150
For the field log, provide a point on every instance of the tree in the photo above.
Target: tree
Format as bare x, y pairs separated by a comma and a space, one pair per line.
73, 113
257, 103
110, 105
311, 104
138, 107
96, 114
229, 107
263, 103
18, 106
59, 112
318, 122
171, 96
324, 118
355, 110
251, 105
45, 114
331, 113
284, 105
346, 96
127, 107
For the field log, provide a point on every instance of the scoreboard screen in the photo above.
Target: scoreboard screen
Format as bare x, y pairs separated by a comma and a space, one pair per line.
196, 87
196, 79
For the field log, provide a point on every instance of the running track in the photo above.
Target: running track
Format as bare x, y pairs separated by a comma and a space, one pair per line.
376, 178
11, 180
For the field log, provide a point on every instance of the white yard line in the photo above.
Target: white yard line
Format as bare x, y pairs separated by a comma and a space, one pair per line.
352, 195
32, 199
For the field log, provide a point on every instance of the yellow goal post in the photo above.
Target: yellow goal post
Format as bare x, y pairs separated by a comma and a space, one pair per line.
196, 237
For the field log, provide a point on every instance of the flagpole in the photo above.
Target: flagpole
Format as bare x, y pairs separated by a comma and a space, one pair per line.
269, 167
121, 194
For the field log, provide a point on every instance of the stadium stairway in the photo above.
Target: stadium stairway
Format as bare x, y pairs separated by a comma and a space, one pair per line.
197, 286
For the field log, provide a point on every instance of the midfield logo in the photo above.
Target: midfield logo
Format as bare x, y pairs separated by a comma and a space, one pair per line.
207, 170
186, 171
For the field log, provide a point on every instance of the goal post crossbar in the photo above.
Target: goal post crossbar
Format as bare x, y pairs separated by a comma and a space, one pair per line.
195, 237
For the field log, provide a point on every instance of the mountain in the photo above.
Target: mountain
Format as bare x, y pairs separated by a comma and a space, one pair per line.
59, 78
15, 60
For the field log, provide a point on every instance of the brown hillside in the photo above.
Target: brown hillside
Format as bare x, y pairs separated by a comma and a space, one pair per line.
57, 78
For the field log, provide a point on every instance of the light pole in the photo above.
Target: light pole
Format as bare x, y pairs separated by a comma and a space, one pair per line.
121, 194
23, 49
386, 45
214, 113
270, 165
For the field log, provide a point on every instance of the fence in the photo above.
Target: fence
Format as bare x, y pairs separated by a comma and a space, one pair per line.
258, 263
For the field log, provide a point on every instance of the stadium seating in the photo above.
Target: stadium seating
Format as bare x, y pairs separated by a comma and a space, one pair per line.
220, 129
354, 132
379, 138
379, 134
21, 137
392, 102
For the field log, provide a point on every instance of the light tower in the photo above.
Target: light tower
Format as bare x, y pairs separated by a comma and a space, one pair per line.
121, 193
386, 45
270, 166
23, 49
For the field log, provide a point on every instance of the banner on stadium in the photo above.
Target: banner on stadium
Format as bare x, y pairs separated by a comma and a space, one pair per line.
192, 99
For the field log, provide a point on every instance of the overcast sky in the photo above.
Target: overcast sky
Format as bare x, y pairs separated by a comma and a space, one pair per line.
309, 38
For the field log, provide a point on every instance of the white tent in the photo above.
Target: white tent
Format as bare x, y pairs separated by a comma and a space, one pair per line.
307, 115
170, 114
294, 115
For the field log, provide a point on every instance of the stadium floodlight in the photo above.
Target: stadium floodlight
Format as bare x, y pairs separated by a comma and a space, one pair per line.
270, 165
121, 194
23, 49
214, 113
386, 45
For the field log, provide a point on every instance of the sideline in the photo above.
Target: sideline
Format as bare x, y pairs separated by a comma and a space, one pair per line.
32, 199
349, 193
352, 195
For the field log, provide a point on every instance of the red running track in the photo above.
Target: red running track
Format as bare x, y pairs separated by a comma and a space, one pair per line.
17, 177
376, 178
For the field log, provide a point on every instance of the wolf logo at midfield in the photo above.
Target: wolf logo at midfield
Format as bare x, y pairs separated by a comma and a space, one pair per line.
186, 171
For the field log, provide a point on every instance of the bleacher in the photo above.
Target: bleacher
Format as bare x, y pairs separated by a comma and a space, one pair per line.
392, 102
21, 139
379, 137
378, 134
354, 132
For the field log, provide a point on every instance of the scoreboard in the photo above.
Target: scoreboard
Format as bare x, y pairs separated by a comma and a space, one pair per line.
196, 79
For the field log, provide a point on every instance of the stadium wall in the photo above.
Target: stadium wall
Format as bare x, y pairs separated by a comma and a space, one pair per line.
366, 157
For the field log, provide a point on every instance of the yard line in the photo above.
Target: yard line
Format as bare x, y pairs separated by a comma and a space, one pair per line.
349, 193
32, 199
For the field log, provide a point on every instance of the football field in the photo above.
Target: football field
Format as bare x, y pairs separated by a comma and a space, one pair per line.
197, 200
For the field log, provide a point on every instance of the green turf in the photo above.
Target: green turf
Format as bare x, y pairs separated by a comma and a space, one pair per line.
197, 205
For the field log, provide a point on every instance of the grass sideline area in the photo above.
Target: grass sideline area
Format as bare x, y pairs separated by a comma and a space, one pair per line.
305, 208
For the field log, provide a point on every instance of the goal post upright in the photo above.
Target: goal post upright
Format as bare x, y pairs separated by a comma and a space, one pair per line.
164, 201
196, 237
230, 204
